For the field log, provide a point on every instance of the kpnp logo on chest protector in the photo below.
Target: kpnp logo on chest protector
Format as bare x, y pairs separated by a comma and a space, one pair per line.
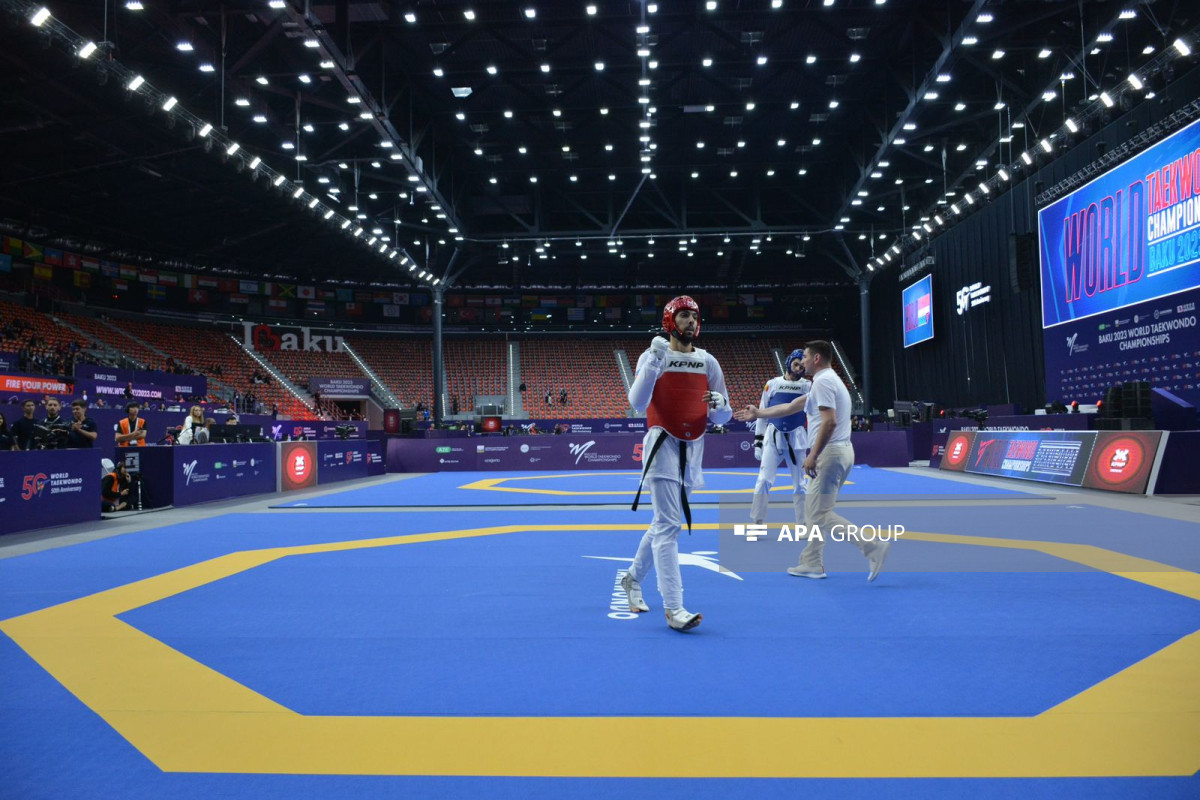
677, 404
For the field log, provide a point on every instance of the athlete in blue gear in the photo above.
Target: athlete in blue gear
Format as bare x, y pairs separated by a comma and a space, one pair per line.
783, 439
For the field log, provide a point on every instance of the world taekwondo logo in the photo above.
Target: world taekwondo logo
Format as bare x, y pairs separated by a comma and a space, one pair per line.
578, 450
188, 469
971, 296
1073, 348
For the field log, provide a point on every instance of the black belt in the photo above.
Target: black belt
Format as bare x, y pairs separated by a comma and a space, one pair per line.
683, 501
787, 439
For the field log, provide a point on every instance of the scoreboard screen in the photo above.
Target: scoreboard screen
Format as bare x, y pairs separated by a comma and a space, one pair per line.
1115, 461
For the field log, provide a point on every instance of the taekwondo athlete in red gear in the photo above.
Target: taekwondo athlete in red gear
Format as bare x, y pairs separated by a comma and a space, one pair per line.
785, 438
682, 390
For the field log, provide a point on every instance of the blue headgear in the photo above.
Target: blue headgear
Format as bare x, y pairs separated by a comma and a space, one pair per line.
787, 365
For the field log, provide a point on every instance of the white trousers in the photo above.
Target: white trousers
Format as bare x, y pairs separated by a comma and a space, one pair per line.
833, 467
775, 449
660, 543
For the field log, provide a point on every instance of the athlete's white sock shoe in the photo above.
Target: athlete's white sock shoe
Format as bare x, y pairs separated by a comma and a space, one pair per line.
633, 591
681, 619
801, 571
876, 559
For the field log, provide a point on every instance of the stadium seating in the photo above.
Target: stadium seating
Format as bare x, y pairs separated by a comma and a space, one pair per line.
474, 367
586, 368
403, 364
204, 348
97, 331
41, 326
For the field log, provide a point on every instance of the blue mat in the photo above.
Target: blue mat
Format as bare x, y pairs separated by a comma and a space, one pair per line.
520, 626
611, 486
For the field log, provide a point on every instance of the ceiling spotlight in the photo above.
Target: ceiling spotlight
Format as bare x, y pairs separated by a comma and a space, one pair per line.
1182, 47
1104, 98
960, 106
530, 13
761, 60
591, 11
87, 50
133, 85
39, 17
1026, 158
997, 55
491, 69
469, 14
810, 59
599, 65
943, 77
1071, 126
1135, 81
184, 47
1003, 173
170, 103
206, 67
311, 43
710, 5
1104, 38
855, 58
1046, 145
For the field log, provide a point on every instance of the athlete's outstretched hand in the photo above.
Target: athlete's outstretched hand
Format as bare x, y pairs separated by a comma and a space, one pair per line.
746, 414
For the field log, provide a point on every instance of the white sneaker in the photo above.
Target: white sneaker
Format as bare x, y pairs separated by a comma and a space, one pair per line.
806, 572
877, 557
681, 619
633, 591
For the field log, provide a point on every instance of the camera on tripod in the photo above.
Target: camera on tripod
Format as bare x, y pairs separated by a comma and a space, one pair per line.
52, 436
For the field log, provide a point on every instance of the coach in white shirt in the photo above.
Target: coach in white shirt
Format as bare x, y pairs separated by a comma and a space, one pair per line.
830, 458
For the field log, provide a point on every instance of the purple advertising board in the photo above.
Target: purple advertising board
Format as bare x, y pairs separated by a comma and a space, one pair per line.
41, 488
606, 451
9, 362
375, 461
341, 461
340, 387
172, 384
587, 426
314, 429
186, 475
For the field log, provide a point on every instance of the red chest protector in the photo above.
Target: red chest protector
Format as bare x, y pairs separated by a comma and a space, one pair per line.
677, 404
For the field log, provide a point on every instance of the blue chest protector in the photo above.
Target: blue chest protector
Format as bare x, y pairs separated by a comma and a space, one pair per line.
784, 393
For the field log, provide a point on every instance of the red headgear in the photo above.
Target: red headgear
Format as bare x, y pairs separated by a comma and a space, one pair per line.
673, 308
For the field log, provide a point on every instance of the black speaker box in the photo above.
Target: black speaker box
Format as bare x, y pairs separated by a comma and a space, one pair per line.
1022, 261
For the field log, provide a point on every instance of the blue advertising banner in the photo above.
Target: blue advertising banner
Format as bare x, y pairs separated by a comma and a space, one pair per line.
341, 461
41, 488
917, 302
9, 362
1129, 236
